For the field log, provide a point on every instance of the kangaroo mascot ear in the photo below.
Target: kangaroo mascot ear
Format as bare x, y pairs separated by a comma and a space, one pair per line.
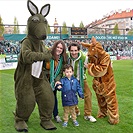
34, 10
45, 10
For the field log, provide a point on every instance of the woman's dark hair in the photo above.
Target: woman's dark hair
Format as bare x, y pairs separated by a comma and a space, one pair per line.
64, 50
73, 44
67, 66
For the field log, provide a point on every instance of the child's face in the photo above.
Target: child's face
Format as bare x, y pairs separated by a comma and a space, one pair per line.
68, 73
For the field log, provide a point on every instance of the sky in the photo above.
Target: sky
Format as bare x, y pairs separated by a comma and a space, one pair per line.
69, 11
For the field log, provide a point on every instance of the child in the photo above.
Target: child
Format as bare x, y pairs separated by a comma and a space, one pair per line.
69, 87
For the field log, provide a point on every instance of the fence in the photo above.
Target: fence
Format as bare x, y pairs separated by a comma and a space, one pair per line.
120, 44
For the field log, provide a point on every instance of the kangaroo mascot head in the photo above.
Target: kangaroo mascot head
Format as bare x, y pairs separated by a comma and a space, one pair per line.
37, 23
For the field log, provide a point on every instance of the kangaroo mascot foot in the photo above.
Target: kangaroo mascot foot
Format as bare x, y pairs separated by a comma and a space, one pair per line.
21, 126
48, 125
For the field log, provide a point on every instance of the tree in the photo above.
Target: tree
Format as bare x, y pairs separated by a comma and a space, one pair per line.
49, 30
25, 31
18, 30
73, 25
1, 27
16, 27
116, 30
130, 32
64, 28
81, 25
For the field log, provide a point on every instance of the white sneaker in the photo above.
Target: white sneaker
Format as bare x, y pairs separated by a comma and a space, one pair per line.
58, 119
90, 118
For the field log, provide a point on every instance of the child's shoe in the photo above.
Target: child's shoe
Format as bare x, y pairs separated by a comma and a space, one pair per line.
64, 124
75, 123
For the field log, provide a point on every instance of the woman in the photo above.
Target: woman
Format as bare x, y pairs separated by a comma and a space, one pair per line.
55, 67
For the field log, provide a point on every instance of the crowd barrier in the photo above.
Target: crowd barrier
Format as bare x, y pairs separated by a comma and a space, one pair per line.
11, 62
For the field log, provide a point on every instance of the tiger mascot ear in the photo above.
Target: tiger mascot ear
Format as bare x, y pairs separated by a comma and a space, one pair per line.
93, 40
87, 45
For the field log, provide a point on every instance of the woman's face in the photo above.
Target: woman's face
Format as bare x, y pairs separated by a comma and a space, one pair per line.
59, 49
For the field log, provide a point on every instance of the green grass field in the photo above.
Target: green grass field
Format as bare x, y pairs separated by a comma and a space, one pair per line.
123, 70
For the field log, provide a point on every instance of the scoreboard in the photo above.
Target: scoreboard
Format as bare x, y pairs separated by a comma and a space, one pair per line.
78, 31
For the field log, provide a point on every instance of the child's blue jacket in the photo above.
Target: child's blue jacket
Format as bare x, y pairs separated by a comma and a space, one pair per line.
69, 91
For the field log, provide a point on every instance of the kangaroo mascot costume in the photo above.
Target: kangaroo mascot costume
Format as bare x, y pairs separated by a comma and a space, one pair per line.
104, 84
31, 83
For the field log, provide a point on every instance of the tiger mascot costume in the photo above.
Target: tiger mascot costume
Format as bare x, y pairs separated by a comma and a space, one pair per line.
104, 85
